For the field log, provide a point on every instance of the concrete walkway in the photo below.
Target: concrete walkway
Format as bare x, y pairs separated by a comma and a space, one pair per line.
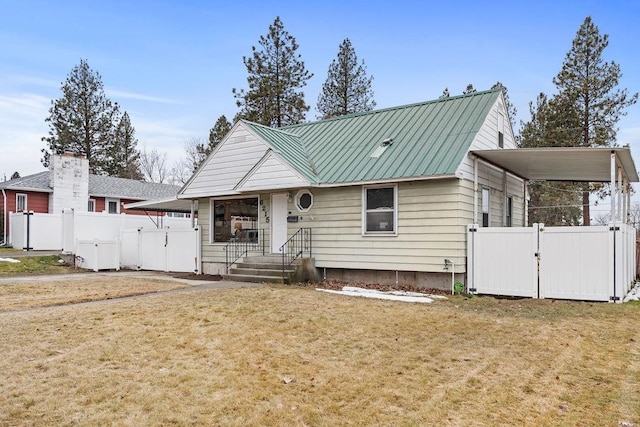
193, 285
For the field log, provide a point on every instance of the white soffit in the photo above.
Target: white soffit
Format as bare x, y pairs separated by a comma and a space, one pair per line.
562, 163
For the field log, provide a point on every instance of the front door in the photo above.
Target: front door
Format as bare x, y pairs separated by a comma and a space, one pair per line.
278, 221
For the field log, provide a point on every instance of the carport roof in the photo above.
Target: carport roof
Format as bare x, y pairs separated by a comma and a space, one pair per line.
584, 164
171, 204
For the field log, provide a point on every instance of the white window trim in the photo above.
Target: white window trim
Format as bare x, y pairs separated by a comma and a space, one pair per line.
93, 202
106, 205
364, 231
297, 200
211, 220
26, 206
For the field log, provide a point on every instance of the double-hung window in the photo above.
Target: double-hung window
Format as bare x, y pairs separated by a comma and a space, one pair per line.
380, 210
21, 202
486, 206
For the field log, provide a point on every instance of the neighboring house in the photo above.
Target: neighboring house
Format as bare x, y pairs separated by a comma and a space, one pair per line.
387, 194
68, 184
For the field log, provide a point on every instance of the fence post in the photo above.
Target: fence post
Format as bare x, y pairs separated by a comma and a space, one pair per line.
27, 246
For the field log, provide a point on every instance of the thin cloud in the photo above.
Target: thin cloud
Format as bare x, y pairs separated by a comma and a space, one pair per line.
141, 97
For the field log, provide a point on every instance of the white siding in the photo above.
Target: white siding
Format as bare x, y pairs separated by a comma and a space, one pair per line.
271, 174
487, 137
229, 163
430, 228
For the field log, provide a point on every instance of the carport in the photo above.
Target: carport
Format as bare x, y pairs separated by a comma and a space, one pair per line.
582, 263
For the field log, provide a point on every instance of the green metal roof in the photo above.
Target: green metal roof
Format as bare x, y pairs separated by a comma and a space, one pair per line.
287, 145
429, 139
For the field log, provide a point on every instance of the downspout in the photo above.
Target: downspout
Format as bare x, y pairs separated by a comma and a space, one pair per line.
4, 217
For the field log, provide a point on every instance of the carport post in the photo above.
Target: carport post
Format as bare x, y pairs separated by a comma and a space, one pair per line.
613, 186
475, 189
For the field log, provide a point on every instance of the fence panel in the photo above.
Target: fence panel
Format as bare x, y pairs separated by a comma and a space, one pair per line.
18, 230
576, 263
129, 249
183, 250
45, 232
503, 261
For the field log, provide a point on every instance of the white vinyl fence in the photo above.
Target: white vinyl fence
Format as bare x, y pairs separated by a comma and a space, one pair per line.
61, 231
35, 231
579, 263
162, 250
102, 241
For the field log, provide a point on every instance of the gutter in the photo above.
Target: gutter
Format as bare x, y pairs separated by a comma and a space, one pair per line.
4, 218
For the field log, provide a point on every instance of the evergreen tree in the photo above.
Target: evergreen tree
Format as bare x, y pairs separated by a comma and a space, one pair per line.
276, 77
124, 158
590, 84
469, 89
511, 109
219, 130
553, 123
347, 88
83, 120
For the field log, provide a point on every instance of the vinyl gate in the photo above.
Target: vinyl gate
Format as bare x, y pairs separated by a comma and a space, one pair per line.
580, 263
162, 250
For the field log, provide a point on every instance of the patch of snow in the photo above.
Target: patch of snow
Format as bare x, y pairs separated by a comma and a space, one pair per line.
9, 260
392, 296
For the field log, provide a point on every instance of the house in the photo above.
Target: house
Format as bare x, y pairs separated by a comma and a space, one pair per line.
386, 194
68, 184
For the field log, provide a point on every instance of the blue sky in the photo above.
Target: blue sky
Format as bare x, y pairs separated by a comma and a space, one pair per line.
172, 65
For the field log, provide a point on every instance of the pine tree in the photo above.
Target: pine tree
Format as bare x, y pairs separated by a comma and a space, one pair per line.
276, 77
469, 89
124, 157
511, 109
347, 88
219, 130
553, 123
83, 120
590, 84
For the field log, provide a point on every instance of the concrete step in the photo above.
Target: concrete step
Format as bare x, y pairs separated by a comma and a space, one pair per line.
264, 266
252, 278
264, 259
245, 271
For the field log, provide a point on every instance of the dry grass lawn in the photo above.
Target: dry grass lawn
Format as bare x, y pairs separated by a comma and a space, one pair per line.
43, 294
292, 356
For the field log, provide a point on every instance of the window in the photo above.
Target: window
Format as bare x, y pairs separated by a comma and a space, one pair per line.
500, 130
113, 206
21, 202
485, 206
380, 210
509, 217
91, 206
304, 200
178, 215
235, 220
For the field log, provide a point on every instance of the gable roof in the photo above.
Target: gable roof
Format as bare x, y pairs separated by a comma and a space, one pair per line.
99, 186
428, 139
289, 146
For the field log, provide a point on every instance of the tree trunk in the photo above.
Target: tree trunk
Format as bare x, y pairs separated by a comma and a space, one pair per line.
586, 213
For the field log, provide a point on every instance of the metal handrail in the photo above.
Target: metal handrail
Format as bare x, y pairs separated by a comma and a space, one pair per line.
294, 248
238, 248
